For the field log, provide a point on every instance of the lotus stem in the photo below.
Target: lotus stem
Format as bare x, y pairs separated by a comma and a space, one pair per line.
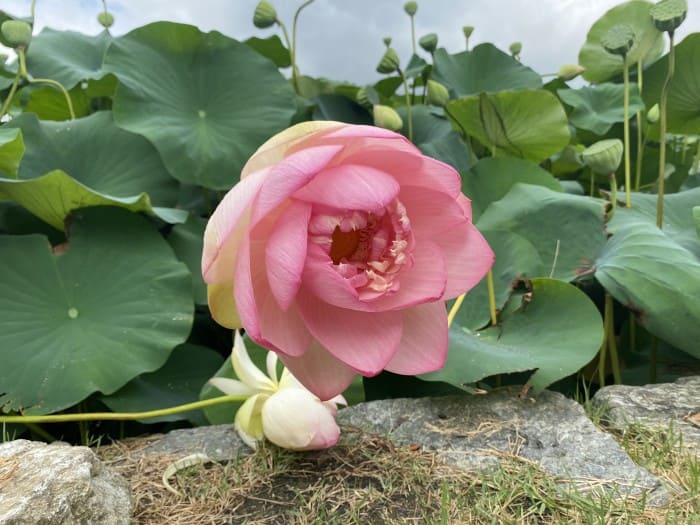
23, 71
293, 46
492, 297
455, 308
10, 95
413, 34
626, 128
662, 133
409, 117
640, 142
121, 416
612, 345
603, 352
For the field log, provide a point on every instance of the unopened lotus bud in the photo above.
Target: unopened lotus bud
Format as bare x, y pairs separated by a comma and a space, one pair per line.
570, 71
361, 98
667, 15
618, 40
604, 156
16, 33
265, 15
437, 94
515, 48
389, 62
467, 30
105, 19
387, 41
387, 118
653, 114
429, 42
411, 8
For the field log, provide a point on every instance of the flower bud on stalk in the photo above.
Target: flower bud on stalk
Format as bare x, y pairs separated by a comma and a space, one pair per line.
437, 94
411, 8
570, 71
429, 42
389, 62
653, 114
604, 156
515, 49
16, 33
265, 15
387, 118
387, 41
362, 99
105, 19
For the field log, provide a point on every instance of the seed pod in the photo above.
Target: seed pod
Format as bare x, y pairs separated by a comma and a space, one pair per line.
604, 156
618, 40
570, 71
16, 33
667, 15
437, 94
387, 41
515, 48
389, 62
361, 98
105, 19
411, 8
265, 15
429, 42
467, 30
387, 118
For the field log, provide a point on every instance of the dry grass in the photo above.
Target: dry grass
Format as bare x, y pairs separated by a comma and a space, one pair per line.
368, 480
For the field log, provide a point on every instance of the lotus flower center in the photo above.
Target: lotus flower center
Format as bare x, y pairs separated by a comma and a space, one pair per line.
368, 248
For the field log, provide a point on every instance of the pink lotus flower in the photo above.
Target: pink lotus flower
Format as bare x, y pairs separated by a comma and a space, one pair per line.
338, 249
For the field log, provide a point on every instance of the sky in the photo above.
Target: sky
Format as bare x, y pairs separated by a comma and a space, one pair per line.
342, 39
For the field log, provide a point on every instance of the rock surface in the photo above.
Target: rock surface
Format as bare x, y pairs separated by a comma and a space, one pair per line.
219, 442
655, 407
59, 484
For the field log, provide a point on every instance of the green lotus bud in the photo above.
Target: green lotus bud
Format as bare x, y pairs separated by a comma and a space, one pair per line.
265, 15
570, 71
429, 42
667, 15
17, 33
618, 40
411, 8
387, 41
387, 118
467, 30
437, 94
389, 62
105, 19
604, 156
653, 114
361, 98
515, 48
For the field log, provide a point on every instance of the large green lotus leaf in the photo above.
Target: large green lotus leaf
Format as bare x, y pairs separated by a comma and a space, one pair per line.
187, 241
530, 124
597, 108
177, 382
683, 109
646, 270
696, 219
11, 151
492, 178
49, 103
204, 100
271, 48
339, 108
649, 43
88, 162
565, 230
66, 56
483, 69
555, 329
89, 315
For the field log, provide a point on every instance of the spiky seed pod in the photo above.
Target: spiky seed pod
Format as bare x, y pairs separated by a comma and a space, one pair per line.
387, 118
437, 93
618, 40
429, 42
667, 15
265, 15
389, 62
411, 8
604, 156
16, 33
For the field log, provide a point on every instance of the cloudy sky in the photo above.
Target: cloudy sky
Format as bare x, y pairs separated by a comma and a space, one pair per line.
342, 39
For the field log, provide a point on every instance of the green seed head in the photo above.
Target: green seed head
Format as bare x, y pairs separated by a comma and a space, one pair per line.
467, 30
653, 114
429, 42
411, 8
604, 156
667, 15
105, 19
16, 33
387, 118
515, 48
362, 99
387, 41
570, 71
618, 40
437, 94
389, 62
265, 15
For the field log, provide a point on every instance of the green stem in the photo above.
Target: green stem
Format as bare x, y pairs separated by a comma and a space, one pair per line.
662, 133
613, 197
23, 71
492, 297
626, 128
413, 35
408, 105
603, 352
612, 345
640, 141
121, 416
293, 50
10, 95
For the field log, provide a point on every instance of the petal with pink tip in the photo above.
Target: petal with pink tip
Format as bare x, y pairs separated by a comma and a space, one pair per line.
364, 132
320, 372
431, 212
350, 187
424, 340
364, 341
285, 252
468, 257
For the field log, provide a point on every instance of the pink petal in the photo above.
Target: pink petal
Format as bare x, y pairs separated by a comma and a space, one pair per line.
288, 176
285, 252
363, 341
363, 131
431, 212
468, 257
320, 372
424, 341
225, 228
350, 187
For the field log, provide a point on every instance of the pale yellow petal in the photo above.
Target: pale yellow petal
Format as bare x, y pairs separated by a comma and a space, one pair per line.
222, 305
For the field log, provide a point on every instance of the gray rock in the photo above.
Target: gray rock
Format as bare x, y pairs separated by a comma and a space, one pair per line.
474, 432
44, 484
219, 442
654, 407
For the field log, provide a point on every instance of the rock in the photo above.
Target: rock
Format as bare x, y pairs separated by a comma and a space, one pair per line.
219, 442
59, 484
655, 407
474, 432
